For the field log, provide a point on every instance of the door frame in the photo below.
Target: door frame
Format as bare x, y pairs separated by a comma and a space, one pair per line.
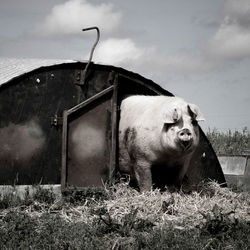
112, 91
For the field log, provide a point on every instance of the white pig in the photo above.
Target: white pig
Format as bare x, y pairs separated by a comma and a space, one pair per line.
157, 130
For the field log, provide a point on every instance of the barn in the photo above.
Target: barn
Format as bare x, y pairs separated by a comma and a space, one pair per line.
59, 123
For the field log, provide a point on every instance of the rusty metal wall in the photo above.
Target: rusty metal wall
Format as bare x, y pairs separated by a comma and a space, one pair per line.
31, 110
31, 126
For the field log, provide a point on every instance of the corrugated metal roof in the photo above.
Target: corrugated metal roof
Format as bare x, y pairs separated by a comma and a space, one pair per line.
13, 67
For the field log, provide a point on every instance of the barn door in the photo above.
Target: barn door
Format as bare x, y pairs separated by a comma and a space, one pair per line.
89, 129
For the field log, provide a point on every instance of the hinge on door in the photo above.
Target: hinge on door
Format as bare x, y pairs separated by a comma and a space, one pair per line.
56, 121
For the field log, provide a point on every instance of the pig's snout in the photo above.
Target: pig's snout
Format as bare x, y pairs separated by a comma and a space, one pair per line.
185, 138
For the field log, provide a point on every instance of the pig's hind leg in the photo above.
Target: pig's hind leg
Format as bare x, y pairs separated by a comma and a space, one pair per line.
143, 175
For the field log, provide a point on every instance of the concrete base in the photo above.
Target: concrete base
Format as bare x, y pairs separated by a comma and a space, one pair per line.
20, 190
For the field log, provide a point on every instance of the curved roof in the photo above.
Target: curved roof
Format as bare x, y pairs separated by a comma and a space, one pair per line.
14, 67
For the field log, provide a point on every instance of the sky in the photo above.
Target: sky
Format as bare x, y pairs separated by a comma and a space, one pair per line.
196, 49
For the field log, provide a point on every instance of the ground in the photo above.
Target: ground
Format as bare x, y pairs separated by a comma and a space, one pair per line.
119, 217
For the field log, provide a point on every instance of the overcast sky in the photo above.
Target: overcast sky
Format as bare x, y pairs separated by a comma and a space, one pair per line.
196, 49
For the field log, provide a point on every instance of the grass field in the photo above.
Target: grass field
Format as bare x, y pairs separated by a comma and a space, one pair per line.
120, 217
229, 142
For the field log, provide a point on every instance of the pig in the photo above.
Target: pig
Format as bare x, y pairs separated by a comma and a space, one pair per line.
157, 131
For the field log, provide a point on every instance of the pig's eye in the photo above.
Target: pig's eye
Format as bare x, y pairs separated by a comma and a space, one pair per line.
195, 123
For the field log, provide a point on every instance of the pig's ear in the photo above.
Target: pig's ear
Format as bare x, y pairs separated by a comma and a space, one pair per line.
195, 112
173, 116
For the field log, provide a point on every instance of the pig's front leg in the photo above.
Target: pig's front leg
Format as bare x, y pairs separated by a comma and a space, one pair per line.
143, 175
182, 172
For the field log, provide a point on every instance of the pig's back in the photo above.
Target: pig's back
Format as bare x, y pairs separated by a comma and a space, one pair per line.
144, 110
139, 109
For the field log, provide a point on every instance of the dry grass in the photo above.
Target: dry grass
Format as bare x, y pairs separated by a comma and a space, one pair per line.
122, 214
160, 207
177, 207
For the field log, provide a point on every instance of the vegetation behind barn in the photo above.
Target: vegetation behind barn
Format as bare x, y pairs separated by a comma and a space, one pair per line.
229, 142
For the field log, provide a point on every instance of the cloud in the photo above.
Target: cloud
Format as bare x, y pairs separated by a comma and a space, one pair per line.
74, 15
118, 51
237, 11
229, 43
206, 20
124, 52
148, 61
231, 40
